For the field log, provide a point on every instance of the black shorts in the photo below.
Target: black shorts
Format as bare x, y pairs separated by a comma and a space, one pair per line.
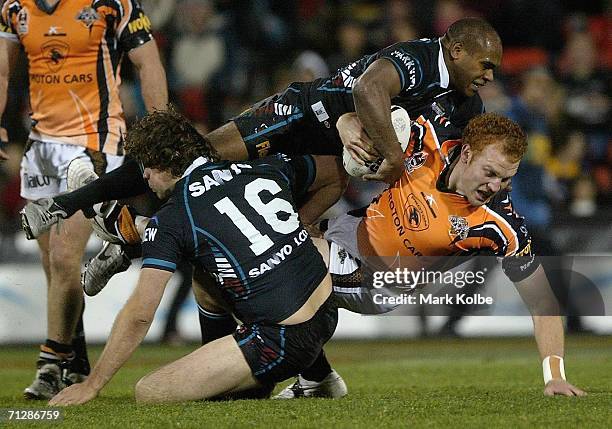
285, 123
277, 352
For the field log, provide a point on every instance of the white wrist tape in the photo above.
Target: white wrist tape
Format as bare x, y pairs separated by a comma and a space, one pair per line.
553, 368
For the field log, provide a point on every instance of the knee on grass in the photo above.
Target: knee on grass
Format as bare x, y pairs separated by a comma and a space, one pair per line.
148, 390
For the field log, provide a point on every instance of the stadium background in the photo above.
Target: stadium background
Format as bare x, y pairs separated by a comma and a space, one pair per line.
221, 56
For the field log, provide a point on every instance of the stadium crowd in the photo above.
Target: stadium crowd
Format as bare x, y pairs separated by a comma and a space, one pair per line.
221, 55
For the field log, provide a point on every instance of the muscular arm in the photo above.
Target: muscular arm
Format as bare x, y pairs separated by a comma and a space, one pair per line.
537, 294
8, 54
129, 329
544, 308
152, 75
372, 94
329, 185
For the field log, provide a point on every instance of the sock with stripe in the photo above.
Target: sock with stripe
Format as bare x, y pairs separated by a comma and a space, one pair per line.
54, 352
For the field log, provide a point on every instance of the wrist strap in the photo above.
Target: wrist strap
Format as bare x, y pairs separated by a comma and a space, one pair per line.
553, 368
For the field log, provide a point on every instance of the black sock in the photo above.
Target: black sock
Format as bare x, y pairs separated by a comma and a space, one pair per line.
214, 326
123, 182
58, 348
80, 363
319, 369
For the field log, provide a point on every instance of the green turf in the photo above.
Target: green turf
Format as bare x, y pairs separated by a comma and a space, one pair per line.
427, 383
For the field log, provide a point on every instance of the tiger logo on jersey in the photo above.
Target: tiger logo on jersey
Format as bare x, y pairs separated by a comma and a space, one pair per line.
415, 215
87, 16
415, 161
459, 227
56, 53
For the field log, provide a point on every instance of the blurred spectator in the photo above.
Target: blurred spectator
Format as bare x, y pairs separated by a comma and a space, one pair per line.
588, 87
535, 107
352, 44
309, 66
448, 11
160, 12
583, 197
588, 105
198, 54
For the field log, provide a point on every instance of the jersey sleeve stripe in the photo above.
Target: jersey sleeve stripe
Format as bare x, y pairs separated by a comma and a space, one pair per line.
158, 263
514, 239
125, 16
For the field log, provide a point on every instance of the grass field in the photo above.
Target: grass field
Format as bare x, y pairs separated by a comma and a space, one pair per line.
417, 383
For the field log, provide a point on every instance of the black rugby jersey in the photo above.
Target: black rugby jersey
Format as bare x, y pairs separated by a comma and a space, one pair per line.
424, 81
308, 111
238, 220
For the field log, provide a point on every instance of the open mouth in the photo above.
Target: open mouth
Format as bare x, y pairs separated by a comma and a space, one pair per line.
483, 196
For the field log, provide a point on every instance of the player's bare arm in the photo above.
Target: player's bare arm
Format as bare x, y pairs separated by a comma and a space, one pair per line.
129, 329
8, 53
548, 329
372, 95
152, 75
329, 185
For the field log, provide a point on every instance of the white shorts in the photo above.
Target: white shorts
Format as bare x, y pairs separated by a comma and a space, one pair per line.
44, 167
355, 297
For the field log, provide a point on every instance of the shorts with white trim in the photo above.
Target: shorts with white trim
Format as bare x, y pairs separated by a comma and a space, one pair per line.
277, 352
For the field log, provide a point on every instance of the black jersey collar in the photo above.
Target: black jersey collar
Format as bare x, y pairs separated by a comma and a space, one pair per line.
44, 6
451, 161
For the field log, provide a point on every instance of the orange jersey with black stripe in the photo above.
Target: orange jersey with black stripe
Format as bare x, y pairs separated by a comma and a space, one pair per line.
74, 52
418, 216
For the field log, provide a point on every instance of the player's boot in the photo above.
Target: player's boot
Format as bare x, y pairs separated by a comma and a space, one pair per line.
48, 381
37, 217
332, 386
51, 377
99, 270
79, 174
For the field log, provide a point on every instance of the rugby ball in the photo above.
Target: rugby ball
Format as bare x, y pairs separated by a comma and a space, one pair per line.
401, 125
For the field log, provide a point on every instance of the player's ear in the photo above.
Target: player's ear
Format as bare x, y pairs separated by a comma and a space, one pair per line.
466, 153
456, 50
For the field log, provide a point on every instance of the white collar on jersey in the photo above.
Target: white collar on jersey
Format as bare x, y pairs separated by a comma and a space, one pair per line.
442, 66
195, 164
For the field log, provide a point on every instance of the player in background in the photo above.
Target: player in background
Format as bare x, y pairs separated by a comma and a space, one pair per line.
74, 51
239, 222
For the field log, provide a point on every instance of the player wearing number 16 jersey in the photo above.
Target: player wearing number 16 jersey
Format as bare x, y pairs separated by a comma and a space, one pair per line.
238, 221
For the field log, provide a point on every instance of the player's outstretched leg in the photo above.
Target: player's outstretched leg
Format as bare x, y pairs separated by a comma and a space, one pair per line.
214, 369
37, 217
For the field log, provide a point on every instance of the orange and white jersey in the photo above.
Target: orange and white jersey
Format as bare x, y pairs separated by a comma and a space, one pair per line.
418, 216
74, 52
